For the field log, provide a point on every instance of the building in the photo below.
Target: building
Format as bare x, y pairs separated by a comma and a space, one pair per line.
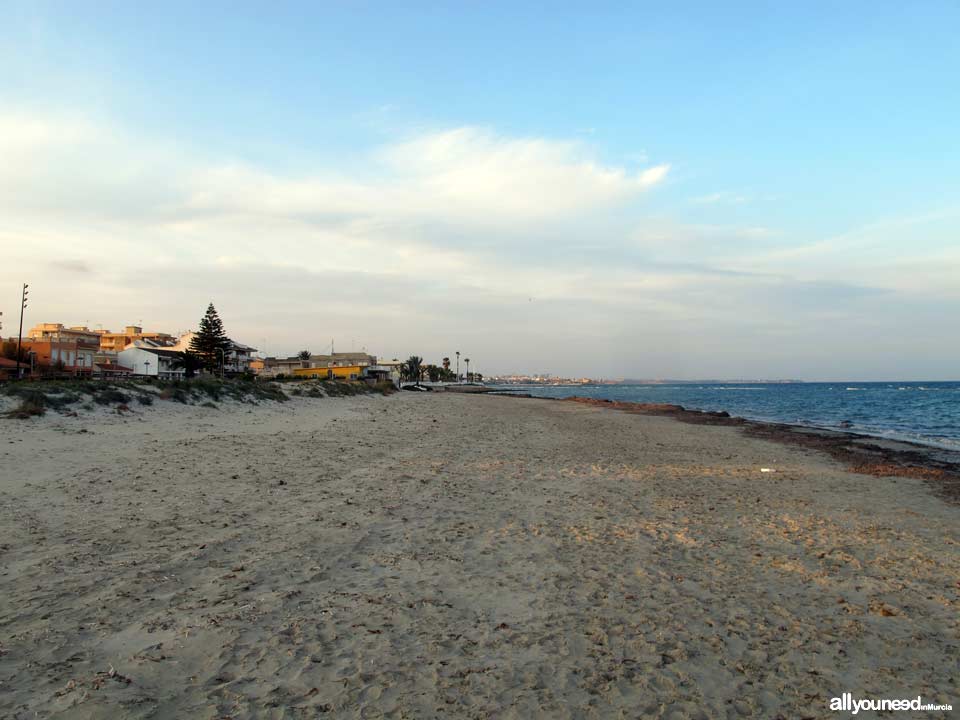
115, 342
63, 355
272, 367
59, 332
340, 372
384, 372
343, 364
239, 358
152, 362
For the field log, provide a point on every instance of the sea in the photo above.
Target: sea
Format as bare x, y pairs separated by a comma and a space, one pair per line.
922, 412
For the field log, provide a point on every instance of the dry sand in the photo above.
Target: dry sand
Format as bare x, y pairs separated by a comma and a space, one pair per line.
440, 555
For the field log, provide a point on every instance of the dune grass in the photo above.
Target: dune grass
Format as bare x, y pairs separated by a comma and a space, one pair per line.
36, 398
60, 395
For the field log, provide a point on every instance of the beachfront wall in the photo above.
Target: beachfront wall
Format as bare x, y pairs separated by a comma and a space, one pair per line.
342, 372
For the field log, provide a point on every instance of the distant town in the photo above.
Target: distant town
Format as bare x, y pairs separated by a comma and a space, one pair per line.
548, 379
53, 349
76, 350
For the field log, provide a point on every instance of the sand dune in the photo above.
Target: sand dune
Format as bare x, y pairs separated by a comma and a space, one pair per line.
458, 556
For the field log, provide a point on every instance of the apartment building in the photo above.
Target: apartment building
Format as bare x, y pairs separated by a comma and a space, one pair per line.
117, 342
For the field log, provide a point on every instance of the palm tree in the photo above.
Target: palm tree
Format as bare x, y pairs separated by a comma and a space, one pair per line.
467, 361
458, 366
412, 369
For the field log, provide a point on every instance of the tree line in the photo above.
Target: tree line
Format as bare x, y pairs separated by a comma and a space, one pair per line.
414, 370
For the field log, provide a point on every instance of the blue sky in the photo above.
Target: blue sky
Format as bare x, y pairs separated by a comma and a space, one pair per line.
694, 190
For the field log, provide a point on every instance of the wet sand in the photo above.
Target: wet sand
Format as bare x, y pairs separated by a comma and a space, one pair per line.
443, 555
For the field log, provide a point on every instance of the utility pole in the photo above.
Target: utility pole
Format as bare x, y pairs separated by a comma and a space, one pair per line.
458, 366
23, 305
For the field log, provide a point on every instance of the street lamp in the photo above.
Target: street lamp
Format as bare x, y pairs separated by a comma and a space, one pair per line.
23, 305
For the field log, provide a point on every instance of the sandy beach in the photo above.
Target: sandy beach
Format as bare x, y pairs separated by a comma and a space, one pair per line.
443, 555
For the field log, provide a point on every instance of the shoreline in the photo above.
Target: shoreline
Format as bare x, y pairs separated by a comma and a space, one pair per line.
825, 427
861, 453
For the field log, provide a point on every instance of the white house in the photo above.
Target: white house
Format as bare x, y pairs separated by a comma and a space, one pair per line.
152, 362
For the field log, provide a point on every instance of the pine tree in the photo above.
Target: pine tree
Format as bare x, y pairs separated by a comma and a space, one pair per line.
210, 340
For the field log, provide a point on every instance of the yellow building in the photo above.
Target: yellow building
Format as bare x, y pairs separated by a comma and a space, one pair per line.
117, 342
340, 372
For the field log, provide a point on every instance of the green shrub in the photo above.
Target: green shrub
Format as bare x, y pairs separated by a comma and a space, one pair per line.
384, 387
174, 393
48, 395
268, 391
27, 410
210, 387
111, 396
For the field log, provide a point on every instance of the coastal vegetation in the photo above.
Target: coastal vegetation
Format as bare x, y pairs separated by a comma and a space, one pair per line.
339, 388
67, 396
414, 370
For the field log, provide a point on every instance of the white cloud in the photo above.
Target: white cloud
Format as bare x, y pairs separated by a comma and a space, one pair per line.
456, 175
529, 248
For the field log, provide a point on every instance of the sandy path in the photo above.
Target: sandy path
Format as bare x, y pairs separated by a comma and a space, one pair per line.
451, 556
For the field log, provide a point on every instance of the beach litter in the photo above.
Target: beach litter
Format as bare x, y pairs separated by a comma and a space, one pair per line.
767, 470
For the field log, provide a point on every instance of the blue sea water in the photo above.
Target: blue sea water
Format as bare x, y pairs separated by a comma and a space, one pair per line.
922, 412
